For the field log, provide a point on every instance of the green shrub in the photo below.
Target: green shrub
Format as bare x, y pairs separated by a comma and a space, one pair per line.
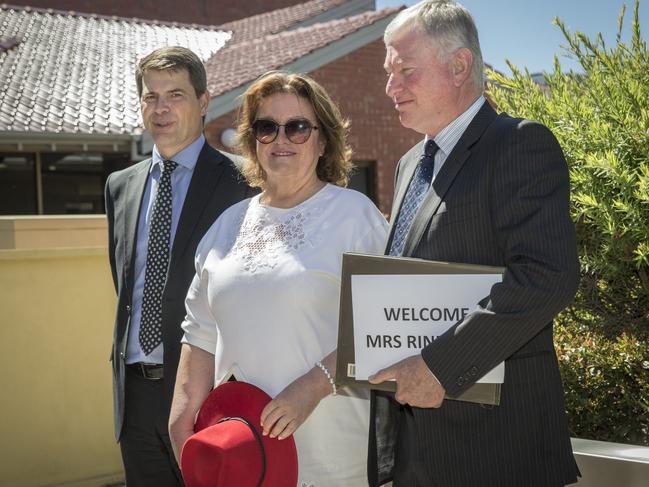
606, 382
601, 119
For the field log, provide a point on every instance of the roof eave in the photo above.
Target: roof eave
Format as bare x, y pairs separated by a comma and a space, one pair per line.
347, 9
14, 141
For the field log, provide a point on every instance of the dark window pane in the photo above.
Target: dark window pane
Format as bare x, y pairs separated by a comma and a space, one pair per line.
363, 179
17, 184
72, 183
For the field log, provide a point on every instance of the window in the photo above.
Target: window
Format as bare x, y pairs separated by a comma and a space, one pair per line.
17, 184
56, 183
72, 183
364, 179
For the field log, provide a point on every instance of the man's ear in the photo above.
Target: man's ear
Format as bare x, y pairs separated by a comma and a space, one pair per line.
204, 101
461, 65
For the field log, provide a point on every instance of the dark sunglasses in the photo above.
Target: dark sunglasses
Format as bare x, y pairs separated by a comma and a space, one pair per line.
297, 131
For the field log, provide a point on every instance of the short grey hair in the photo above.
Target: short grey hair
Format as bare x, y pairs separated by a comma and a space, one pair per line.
449, 24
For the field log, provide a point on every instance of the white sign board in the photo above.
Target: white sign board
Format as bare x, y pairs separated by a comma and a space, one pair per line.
395, 316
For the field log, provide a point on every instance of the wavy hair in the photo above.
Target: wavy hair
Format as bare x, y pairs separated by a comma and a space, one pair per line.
335, 164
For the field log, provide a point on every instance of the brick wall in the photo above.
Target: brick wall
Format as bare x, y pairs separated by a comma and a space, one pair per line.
357, 83
205, 12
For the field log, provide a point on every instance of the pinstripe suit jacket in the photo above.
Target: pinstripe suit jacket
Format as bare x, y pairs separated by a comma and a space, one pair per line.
500, 199
215, 185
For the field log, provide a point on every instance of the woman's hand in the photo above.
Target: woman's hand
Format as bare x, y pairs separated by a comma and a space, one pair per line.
285, 414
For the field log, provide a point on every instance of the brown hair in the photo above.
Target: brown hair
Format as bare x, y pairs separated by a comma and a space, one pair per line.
173, 59
335, 164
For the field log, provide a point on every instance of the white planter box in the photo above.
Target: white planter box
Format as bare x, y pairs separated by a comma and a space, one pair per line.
606, 464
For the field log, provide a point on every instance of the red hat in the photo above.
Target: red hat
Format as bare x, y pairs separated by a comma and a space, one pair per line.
228, 449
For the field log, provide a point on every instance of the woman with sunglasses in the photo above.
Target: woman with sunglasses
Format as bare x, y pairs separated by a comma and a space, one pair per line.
263, 306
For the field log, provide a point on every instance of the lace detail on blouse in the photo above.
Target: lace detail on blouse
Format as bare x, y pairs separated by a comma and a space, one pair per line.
263, 237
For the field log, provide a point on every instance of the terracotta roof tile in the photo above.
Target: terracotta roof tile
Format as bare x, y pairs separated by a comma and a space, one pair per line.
278, 20
75, 73
241, 62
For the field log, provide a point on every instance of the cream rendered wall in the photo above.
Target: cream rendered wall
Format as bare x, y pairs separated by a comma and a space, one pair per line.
57, 306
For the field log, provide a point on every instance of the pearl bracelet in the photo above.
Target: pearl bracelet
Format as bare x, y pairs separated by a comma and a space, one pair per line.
324, 369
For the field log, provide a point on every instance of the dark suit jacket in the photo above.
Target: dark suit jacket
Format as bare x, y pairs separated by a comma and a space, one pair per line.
500, 199
215, 185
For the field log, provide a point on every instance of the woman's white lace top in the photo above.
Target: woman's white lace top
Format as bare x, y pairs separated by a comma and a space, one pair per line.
265, 302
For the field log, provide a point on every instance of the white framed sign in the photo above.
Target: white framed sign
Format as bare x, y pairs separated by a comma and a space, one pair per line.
395, 316
391, 307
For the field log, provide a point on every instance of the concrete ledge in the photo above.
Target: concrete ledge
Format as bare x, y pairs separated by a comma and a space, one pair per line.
50, 232
52, 253
606, 464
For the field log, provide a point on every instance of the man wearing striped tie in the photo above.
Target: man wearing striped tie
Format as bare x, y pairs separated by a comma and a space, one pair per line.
481, 188
158, 210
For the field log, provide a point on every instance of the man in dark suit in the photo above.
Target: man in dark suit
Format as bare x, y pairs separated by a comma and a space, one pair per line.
488, 189
158, 210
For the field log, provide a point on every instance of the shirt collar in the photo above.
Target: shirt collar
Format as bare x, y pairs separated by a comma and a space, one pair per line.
450, 135
186, 157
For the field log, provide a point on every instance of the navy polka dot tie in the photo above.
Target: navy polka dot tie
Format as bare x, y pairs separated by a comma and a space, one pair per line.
415, 194
157, 261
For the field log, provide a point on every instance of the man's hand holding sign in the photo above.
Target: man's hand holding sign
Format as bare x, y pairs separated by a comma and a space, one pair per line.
416, 385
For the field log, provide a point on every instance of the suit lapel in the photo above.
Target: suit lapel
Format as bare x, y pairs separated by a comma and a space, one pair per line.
447, 175
135, 186
202, 187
